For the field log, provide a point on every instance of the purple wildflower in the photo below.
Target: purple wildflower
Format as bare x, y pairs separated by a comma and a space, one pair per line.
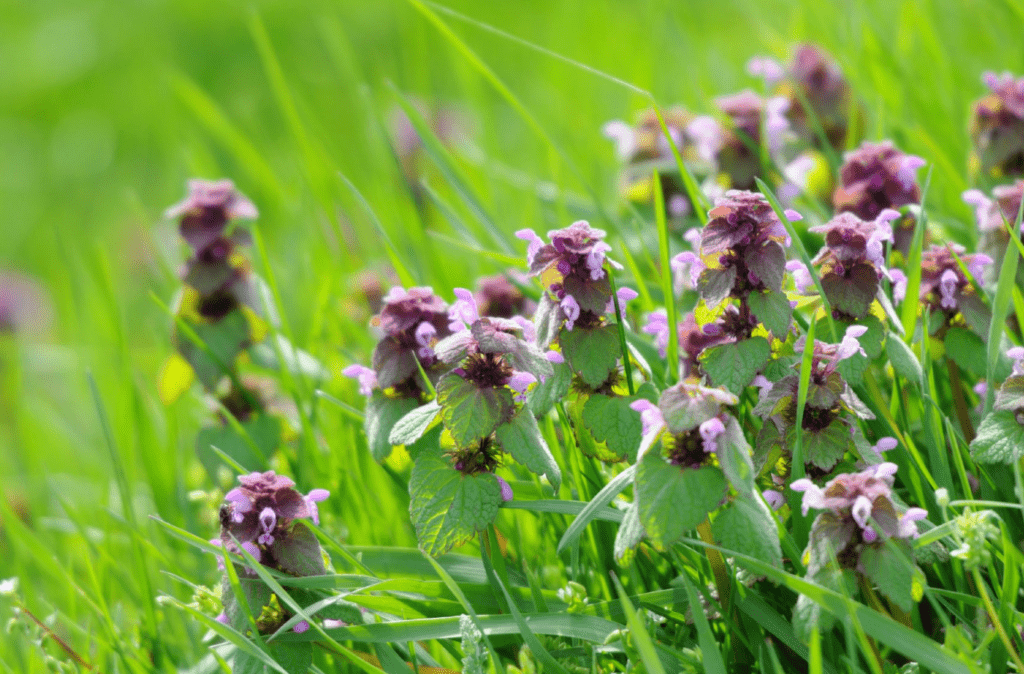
735, 149
506, 489
742, 248
24, 305
206, 211
773, 498
366, 376
572, 266
944, 286
852, 262
997, 127
992, 216
858, 503
261, 515
694, 418
412, 321
497, 296
875, 177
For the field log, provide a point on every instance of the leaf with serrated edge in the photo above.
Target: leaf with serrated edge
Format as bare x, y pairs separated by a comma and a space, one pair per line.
414, 424
612, 421
773, 310
591, 352
382, 414
521, 438
673, 500
748, 526
469, 412
734, 365
447, 507
1000, 439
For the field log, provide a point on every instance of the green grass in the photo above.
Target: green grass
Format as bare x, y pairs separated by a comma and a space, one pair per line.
106, 108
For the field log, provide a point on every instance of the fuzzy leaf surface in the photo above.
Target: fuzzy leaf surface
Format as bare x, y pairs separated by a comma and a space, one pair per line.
470, 413
1000, 439
610, 420
734, 365
591, 352
382, 413
521, 438
674, 500
411, 426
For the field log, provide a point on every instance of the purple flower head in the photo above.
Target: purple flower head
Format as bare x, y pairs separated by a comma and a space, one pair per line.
693, 339
943, 284
997, 126
260, 514
875, 177
815, 79
773, 498
412, 321
864, 500
506, 489
24, 306
492, 352
572, 267
993, 215
464, 312
694, 417
852, 262
497, 296
826, 357
206, 211
738, 152
650, 415
742, 248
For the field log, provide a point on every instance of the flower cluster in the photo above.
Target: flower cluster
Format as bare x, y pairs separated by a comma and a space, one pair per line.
993, 215
572, 269
734, 149
827, 427
261, 516
944, 285
859, 510
875, 177
497, 296
644, 147
411, 322
213, 271
811, 79
491, 352
852, 262
742, 248
997, 127
694, 418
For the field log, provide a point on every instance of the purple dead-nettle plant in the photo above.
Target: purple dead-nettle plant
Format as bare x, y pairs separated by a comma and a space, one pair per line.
694, 338
949, 293
734, 149
643, 148
572, 267
852, 262
688, 418
811, 78
497, 296
411, 322
205, 218
999, 436
829, 427
993, 215
997, 126
862, 530
874, 177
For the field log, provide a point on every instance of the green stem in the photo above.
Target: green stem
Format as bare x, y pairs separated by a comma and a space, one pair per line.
996, 623
717, 564
620, 322
962, 413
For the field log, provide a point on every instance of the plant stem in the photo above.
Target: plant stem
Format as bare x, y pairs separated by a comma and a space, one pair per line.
717, 562
962, 412
996, 623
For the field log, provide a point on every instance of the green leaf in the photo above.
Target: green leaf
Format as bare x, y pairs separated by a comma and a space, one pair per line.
447, 507
224, 339
674, 500
600, 501
967, 350
545, 394
547, 319
521, 438
716, 284
903, 360
773, 310
748, 526
298, 552
1011, 394
382, 413
826, 447
630, 533
891, 572
1000, 439
591, 352
610, 420
411, 427
297, 361
852, 294
295, 658
734, 456
470, 413
734, 365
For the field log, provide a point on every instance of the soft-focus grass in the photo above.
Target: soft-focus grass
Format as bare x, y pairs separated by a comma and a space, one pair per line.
107, 107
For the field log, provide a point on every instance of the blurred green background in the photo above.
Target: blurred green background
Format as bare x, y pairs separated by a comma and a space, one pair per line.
106, 108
